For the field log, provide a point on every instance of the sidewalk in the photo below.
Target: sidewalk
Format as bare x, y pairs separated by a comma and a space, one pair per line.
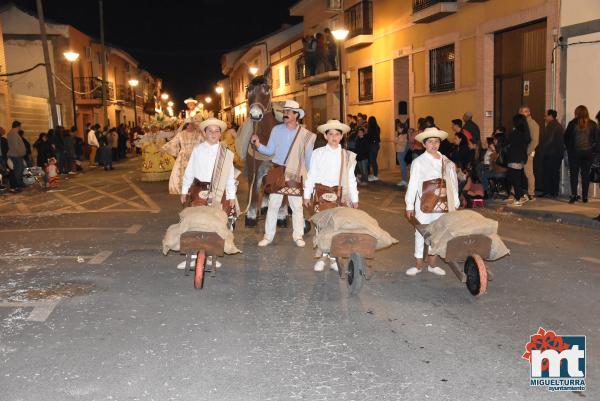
555, 210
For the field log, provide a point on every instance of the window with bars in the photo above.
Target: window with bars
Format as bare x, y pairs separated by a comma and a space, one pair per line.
441, 69
365, 84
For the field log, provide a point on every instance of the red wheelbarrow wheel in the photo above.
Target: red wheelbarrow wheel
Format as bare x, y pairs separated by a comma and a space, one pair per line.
477, 277
199, 273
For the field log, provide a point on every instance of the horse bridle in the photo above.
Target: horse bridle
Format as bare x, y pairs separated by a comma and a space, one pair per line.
265, 109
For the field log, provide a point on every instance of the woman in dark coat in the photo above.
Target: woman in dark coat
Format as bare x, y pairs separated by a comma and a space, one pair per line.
42, 147
374, 137
581, 138
516, 156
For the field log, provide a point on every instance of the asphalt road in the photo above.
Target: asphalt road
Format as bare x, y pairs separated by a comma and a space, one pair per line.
91, 310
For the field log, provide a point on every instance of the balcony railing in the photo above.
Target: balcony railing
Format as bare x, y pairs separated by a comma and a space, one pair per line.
91, 87
359, 19
124, 93
419, 5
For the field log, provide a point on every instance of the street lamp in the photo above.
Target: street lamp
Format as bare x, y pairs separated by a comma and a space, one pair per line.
219, 89
133, 83
340, 35
253, 70
170, 103
207, 99
72, 57
164, 97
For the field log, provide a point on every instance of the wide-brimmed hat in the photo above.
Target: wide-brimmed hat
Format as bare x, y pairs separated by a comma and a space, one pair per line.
213, 121
190, 100
294, 106
333, 124
431, 132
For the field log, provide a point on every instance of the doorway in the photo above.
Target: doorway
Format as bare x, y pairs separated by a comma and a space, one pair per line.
318, 106
401, 83
519, 72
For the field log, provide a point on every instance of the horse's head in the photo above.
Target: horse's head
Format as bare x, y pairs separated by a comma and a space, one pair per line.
258, 94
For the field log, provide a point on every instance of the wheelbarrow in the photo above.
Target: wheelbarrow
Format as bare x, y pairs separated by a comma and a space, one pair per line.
203, 244
354, 248
470, 250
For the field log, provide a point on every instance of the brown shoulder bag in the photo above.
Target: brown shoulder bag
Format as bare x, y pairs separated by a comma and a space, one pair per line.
275, 178
434, 197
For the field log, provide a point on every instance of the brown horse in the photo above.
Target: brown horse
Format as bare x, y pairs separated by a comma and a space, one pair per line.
262, 120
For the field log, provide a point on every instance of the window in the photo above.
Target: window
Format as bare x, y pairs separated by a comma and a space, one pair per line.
300, 68
287, 75
441, 69
365, 84
276, 79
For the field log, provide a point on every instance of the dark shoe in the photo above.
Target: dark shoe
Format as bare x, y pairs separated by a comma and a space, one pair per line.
585, 200
574, 198
597, 218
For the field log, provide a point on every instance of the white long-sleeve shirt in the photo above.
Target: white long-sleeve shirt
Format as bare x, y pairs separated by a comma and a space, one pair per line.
92, 140
325, 170
424, 168
201, 166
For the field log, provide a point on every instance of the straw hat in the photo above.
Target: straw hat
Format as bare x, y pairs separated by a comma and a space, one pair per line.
190, 100
294, 106
431, 132
213, 121
333, 124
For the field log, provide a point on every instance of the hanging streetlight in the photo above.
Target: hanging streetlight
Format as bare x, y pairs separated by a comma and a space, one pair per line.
340, 35
219, 89
133, 83
72, 57
253, 70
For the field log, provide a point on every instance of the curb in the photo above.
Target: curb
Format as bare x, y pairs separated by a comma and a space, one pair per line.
544, 215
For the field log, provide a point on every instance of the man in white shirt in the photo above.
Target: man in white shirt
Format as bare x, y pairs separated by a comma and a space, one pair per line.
92, 140
331, 181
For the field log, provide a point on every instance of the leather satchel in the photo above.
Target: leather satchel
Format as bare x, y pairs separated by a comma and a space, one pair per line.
434, 196
326, 197
275, 179
200, 195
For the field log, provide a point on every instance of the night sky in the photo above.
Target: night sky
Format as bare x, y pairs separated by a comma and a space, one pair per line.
178, 41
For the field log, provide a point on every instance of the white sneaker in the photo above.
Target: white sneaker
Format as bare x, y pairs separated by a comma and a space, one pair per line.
375, 178
300, 243
371, 178
401, 183
516, 203
413, 271
320, 265
209, 262
333, 264
436, 270
524, 199
264, 242
181, 266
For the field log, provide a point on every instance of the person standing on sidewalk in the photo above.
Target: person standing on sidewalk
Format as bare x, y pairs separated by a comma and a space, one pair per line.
291, 146
517, 143
473, 128
401, 141
552, 149
581, 138
16, 153
374, 136
92, 140
534, 132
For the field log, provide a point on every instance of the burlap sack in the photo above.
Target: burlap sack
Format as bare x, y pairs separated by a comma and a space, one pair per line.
460, 223
347, 220
200, 218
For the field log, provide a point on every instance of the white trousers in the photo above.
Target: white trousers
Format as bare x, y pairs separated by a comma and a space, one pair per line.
423, 218
295, 203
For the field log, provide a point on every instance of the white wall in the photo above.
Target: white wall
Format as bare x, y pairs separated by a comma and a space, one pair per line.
15, 21
583, 85
577, 11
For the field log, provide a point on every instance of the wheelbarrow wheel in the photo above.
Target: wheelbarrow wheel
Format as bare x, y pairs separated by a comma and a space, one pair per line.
477, 277
357, 269
199, 273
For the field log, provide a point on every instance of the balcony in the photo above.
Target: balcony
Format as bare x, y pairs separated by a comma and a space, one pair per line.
124, 94
359, 21
321, 73
425, 11
91, 89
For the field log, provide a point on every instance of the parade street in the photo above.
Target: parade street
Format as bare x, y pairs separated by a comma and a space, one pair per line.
90, 309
